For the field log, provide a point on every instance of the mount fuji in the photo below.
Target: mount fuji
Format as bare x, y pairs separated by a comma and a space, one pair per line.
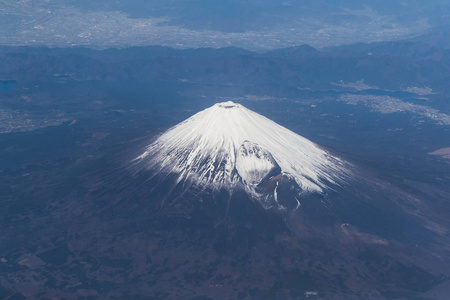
229, 165
228, 145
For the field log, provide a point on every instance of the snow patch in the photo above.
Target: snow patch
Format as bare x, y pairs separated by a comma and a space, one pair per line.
253, 163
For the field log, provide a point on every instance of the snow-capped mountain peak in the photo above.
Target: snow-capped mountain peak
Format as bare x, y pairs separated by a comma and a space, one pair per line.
228, 144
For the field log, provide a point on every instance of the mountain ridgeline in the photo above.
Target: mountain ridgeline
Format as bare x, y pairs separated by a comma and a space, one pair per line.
388, 66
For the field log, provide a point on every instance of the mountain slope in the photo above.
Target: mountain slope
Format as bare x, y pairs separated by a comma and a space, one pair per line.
228, 144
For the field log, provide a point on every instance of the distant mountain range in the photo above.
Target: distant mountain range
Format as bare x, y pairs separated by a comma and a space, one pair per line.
389, 66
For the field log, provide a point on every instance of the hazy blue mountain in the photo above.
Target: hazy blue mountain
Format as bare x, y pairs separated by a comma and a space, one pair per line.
436, 36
